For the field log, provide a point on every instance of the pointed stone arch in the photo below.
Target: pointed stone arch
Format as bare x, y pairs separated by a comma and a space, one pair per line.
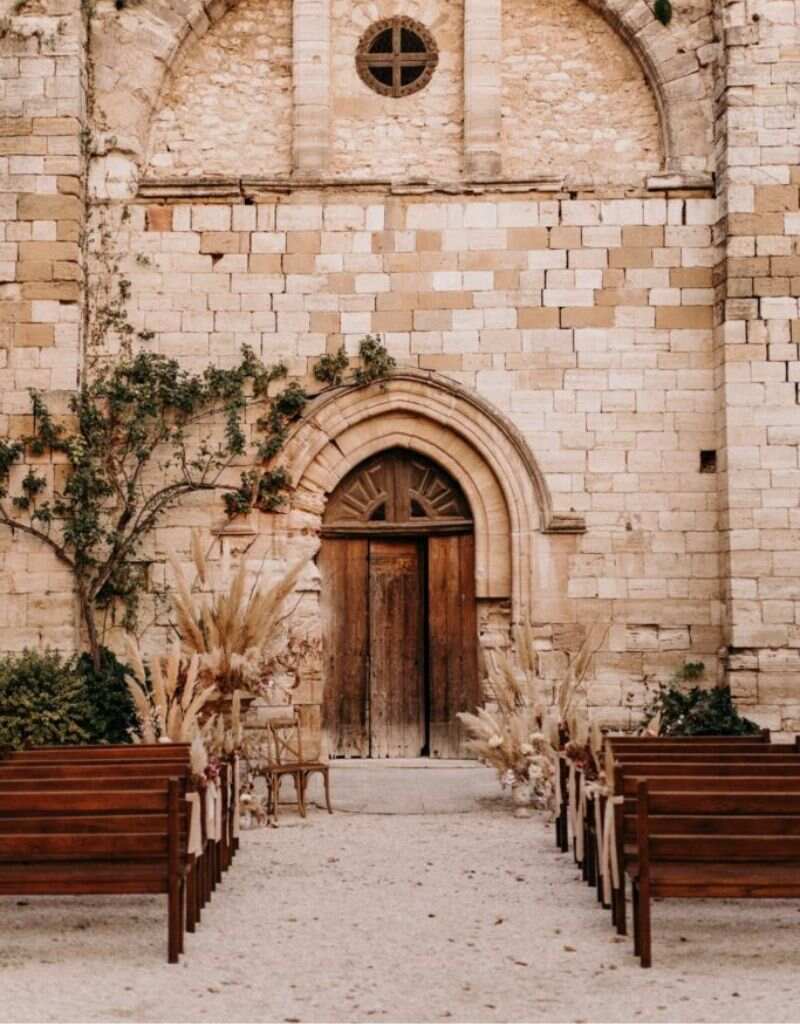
484, 453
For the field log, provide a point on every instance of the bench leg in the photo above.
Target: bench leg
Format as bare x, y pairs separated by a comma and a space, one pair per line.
173, 921
619, 904
645, 951
191, 899
635, 901
326, 779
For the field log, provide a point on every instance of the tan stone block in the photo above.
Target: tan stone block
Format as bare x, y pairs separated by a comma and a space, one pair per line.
395, 320
63, 271
630, 256
15, 312
68, 231
265, 263
602, 316
527, 238
34, 272
506, 280
159, 218
15, 126
24, 145
441, 363
755, 224
690, 277
69, 185
34, 335
622, 297
684, 317
445, 300
56, 126
638, 237
62, 291
429, 241
40, 207
537, 317
776, 198
224, 243
432, 320
41, 252
430, 262
396, 300
383, 241
325, 323
304, 242
299, 263
565, 238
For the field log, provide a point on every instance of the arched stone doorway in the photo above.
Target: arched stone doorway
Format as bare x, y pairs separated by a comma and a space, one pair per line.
399, 610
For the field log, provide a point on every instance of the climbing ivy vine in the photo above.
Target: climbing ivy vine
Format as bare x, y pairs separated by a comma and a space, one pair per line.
138, 436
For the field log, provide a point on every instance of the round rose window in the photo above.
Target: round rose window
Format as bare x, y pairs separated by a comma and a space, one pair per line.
397, 57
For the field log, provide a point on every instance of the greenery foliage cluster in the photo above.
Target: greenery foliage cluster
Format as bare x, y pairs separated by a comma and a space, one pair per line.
696, 711
138, 437
46, 699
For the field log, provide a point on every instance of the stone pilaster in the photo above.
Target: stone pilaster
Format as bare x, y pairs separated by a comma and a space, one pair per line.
311, 74
483, 47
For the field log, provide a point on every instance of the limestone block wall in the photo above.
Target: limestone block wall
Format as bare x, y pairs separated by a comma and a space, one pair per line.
588, 322
757, 353
42, 116
226, 107
575, 102
418, 136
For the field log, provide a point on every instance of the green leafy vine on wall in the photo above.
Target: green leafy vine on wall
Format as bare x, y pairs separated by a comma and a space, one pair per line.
92, 480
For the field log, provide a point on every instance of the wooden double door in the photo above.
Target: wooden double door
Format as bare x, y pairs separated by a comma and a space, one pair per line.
400, 629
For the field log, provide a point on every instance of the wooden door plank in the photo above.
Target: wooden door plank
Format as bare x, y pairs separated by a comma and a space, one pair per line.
396, 649
452, 640
344, 567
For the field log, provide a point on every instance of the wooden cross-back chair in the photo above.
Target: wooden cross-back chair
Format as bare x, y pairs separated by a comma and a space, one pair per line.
285, 757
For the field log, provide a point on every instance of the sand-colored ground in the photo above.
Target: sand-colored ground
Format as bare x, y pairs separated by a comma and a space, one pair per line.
455, 916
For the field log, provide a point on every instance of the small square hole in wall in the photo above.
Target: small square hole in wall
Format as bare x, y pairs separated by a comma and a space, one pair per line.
708, 461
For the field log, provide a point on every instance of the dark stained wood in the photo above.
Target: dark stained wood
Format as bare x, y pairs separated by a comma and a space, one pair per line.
344, 566
452, 640
396, 596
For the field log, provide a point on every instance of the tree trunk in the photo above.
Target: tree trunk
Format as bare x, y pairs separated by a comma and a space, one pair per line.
87, 615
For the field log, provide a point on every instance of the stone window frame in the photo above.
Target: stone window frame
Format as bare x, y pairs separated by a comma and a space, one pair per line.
428, 57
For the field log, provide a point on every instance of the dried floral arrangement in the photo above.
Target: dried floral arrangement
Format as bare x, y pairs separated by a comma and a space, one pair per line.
524, 731
236, 631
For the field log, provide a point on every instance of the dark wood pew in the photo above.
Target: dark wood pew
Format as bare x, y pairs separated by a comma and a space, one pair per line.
75, 847
689, 846
706, 779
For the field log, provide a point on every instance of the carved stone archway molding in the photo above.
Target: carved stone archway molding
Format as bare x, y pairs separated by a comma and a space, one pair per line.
424, 412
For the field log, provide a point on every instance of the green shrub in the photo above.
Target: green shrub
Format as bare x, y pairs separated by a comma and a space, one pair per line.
43, 701
696, 711
49, 700
111, 712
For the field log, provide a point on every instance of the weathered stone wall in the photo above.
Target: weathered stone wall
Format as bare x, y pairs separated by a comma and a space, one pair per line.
757, 353
42, 116
575, 101
417, 136
226, 108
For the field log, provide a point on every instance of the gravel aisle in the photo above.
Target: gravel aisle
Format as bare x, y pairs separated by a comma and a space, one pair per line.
448, 917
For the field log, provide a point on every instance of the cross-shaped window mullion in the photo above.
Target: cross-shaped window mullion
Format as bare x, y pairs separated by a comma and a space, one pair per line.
397, 52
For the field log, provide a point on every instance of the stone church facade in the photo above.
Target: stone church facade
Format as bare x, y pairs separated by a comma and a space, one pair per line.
575, 229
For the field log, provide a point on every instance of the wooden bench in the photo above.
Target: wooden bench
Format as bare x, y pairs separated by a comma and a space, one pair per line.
98, 841
702, 779
736, 843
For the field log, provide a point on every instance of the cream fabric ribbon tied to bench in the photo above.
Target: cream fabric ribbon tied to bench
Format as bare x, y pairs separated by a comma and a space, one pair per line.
213, 812
195, 844
609, 862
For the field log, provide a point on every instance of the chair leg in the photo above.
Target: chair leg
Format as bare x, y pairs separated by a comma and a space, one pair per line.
182, 915
327, 781
635, 901
300, 786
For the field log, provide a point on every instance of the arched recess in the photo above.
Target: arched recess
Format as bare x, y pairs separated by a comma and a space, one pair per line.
134, 49
461, 432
